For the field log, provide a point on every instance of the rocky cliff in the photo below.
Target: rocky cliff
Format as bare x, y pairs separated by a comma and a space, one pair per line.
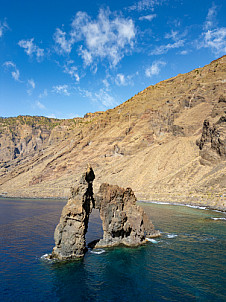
171, 134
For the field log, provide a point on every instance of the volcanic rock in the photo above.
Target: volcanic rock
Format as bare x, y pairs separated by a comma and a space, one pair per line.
212, 143
123, 221
70, 232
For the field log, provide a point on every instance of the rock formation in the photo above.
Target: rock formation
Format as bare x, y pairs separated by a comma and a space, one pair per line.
212, 143
70, 233
123, 221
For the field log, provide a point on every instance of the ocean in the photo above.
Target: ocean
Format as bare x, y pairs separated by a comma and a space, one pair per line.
187, 263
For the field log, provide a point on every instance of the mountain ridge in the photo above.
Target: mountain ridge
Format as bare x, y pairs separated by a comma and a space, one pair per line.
151, 142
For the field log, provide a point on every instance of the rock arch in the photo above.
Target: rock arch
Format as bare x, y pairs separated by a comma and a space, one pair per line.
123, 221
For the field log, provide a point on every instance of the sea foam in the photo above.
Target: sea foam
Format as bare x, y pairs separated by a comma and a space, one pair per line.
152, 240
97, 251
171, 236
218, 218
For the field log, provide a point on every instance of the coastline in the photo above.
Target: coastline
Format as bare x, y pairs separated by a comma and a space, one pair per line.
209, 205
195, 206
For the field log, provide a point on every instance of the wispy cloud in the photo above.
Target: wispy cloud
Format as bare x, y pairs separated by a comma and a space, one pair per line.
63, 45
211, 18
107, 37
148, 17
213, 37
43, 94
144, 5
177, 42
162, 49
72, 70
40, 105
31, 86
102, 96
215, 40
184, 52
14, 70
61, 89
3, 27
155, 68
31, 48
122, 80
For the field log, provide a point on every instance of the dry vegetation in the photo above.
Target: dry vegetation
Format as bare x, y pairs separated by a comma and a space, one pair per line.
148, 143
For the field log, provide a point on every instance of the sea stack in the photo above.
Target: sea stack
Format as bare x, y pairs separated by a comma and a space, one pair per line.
70, 233
123, 221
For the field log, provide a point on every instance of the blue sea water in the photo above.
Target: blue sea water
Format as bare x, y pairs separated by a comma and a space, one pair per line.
187, 263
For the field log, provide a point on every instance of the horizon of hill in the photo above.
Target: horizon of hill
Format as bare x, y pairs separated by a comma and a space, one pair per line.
168, 143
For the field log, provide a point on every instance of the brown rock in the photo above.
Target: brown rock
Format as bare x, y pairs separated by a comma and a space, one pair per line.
212, 143
123, 221
70, 232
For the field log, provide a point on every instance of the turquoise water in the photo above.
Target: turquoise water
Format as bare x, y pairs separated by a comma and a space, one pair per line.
186, 264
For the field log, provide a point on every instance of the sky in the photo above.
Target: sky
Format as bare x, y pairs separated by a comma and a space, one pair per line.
63, 59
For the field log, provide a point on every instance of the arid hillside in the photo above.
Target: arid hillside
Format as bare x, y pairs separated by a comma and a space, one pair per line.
168, 143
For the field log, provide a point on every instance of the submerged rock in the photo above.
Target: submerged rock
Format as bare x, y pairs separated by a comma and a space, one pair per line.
123, 221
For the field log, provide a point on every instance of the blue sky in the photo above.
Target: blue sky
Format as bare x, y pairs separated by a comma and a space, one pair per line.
66, 58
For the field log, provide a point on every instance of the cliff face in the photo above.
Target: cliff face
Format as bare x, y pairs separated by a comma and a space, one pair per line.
155, 142
212, 144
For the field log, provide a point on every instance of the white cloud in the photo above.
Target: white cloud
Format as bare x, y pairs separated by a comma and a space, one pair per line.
211, 18
162, 49
107, 37
215, 40
72, 70
120, 79
40, 105
213, 37
3, 27
172, 35
183, 52
106, 84
44, 94
155, 68
105, 98
61, 89
14, 71
148, 17
101, 96
64, 45
144, 5
31, 85
30, 48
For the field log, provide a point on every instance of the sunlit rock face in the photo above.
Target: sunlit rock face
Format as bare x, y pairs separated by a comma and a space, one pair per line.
70, 232
123, 221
